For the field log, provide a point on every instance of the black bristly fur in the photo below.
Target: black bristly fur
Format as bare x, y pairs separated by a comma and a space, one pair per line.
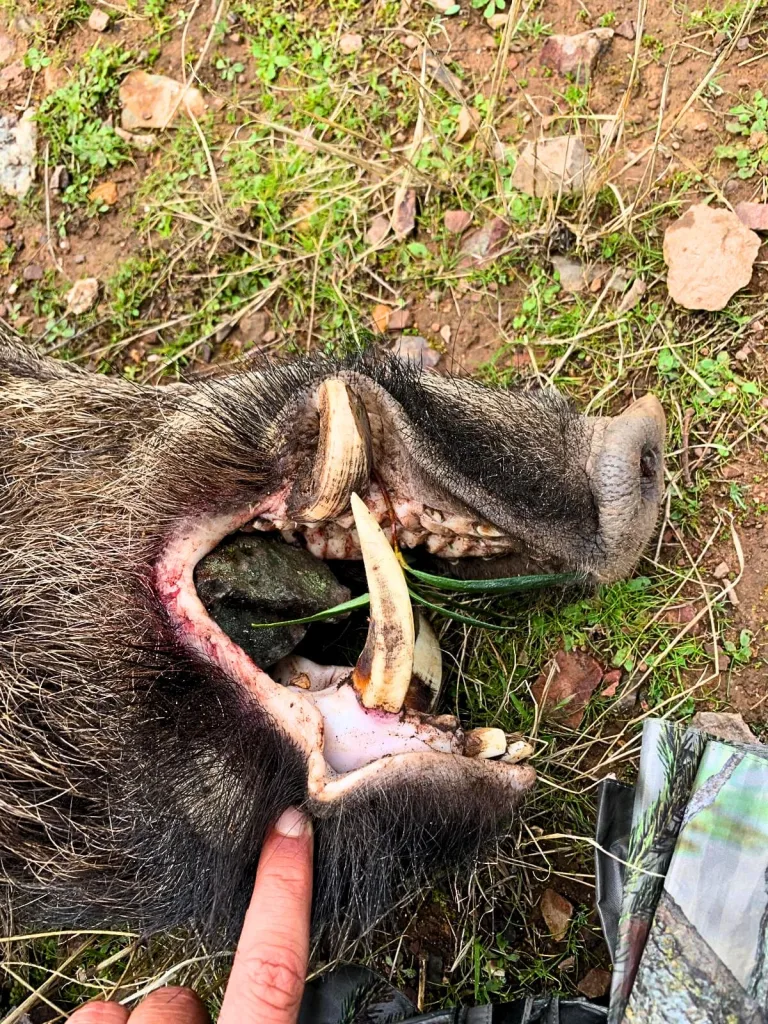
136, 782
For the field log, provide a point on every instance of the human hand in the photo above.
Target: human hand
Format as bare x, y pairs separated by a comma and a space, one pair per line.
267, 979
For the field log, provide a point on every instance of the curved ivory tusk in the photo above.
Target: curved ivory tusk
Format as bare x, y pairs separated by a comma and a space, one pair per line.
383, 671
343, 460
427, 658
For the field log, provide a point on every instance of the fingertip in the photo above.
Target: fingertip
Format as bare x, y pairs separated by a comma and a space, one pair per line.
100, 1013
170, 1005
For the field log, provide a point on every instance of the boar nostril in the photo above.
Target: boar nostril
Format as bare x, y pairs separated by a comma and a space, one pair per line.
649, 460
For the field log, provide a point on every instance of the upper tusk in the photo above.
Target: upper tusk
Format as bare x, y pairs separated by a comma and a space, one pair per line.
343, 460
384, 669
485, 743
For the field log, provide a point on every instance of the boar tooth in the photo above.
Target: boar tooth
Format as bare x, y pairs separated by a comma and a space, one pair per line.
486, 530
518, 749
343, 460
384, 669
427, 658
485, 743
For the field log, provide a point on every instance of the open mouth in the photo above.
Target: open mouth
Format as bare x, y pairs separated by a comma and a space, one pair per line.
361, 501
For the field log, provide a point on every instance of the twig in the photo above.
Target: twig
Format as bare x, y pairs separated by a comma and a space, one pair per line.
684, 454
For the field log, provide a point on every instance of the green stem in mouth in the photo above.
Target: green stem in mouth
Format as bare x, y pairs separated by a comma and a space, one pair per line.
506, 585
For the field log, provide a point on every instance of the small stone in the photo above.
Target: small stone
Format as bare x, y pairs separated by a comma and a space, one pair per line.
595, 983
742, 43
721, 571
350, 43
724, 725
754, 215
572, 273
710, 254
457, 221
380, 318
269, 337
32, 272
466, 123
82, 295
411, 42
497, 21
99, 20
412, 348
7, 48
445, 333
64, 244
743, 354
626, 29
253, 326
702, 126
80, 258
105, 193
549, 166
235, 38
399, 320
18, 153
484, 244
6, 222
557, 912
565, 686
153, 101
681, 615
378, 229
435, 326
404, 214
576, 55
59, 178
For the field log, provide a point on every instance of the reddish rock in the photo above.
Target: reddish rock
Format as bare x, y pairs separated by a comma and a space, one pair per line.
380, 318
710, 254
681, 616
754, 215
399, 319
572, 677
611, 682
153, 101
350, 43
33, 272
412, 348
404, 216
576, 55
557, 912
548, 167
482, 245
105, 193
595, 983
377, 230
626, 30
6, 222
457, 221
99, 20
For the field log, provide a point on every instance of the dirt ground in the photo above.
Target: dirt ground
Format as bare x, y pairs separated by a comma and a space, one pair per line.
305, 210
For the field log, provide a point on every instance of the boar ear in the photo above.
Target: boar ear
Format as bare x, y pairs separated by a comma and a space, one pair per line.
342, 463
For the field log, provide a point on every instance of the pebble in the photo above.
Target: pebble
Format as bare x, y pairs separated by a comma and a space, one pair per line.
435, 326
80, 258
445, 333
399, 320
32, 272
6, 222
411, 42
99, 20
351, 42
721, 571
742, 43
269, 336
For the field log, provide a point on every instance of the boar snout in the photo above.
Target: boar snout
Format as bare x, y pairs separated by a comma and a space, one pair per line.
626, 473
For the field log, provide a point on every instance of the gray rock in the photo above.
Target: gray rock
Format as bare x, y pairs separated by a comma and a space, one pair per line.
549, 166
724, 726
255, 578
412, 348
18, 145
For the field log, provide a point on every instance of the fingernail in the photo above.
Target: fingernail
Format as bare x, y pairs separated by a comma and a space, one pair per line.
293, 824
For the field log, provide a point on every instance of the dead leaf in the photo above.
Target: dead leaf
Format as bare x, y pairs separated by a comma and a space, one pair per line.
467, 123
569, 680
595, 983
633, 296
380, 316
106, 192
557, 912
404, 213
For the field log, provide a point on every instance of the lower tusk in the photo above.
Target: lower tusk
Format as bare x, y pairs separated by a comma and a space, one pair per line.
384, 669
485, 743
518, 749
427, 665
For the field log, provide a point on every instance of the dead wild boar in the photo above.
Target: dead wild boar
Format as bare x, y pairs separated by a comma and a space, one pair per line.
143, 752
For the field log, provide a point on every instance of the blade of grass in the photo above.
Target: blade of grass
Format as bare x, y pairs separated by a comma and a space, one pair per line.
504, 585
327, 613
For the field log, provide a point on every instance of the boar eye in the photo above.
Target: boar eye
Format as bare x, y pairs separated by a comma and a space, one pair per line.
648, 462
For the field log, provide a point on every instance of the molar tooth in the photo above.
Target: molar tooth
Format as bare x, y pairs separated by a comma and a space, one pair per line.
383, 671
427, 658
485, 743
518, 748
